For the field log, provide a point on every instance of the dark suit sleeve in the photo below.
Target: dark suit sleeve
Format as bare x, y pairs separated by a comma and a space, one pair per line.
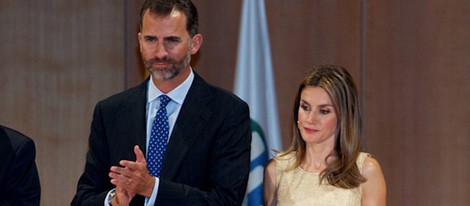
118, 124
110, 141
228, 162
93, 185
21, 181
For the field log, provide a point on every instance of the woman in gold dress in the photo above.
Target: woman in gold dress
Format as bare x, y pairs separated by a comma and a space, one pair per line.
324, 164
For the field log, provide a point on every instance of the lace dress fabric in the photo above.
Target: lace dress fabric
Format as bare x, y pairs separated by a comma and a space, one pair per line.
298, 187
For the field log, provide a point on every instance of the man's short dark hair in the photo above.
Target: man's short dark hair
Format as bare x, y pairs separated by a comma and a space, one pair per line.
165, 7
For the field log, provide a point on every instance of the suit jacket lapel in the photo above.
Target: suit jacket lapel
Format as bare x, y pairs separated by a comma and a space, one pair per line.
132, 126
193, 116
6, 151
133, 121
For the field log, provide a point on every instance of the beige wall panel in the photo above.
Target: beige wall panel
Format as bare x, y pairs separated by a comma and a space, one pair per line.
304, 34
57, 59
135, 71
417, 79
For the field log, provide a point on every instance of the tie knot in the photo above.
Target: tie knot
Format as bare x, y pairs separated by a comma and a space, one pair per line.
164, 100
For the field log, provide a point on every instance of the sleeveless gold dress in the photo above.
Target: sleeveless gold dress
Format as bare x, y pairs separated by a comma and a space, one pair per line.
299, 187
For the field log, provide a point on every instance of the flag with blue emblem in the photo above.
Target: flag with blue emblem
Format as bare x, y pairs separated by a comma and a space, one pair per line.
254, 83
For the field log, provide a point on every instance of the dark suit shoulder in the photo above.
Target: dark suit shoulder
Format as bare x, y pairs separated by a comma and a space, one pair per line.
132, 94
19, 179
221, 93
16, 138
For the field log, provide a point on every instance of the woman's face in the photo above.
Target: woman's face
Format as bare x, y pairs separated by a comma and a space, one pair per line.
317, 116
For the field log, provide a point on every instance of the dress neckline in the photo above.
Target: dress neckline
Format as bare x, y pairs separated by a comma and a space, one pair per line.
307, 172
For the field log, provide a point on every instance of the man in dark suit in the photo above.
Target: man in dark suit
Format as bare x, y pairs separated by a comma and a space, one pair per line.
207, 155
19, 180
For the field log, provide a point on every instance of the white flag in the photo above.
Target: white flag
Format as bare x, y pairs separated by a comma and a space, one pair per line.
254, 83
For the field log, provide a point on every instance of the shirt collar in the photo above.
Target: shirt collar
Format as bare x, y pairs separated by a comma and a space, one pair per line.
177, 95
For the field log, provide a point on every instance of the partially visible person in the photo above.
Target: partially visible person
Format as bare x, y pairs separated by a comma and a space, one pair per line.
19, 179
203, 157
324, 164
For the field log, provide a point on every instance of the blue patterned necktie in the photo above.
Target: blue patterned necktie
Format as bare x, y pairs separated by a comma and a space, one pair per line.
158, 138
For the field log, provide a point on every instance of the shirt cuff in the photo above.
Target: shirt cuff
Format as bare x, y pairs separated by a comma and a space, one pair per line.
108, 197
151, 201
